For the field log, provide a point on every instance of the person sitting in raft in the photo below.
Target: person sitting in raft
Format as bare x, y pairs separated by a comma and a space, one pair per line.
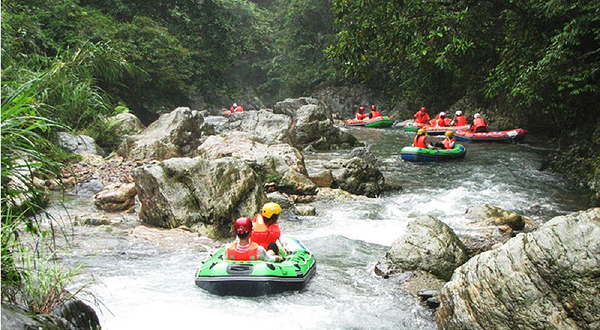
449, 141
266, 230
374, 113
244, 249
236, 108
421, 140
421, 117
478, 124
459, 119
440, 120
360, 115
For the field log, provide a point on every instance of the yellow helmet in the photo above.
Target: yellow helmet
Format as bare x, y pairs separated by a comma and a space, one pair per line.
269, 209
449, 134
421, 131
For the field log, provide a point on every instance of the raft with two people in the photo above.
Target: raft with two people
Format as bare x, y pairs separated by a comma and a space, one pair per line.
377, 122
416, 154
256, 278
506, 136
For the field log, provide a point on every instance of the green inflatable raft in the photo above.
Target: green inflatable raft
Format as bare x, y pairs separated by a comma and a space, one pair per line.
415, 154
257, 278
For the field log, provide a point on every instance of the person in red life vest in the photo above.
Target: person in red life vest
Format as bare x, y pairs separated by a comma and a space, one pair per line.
421, 117
244, 249
236, 108
449, 141
266, 229
478, 124
459, 119
360, 115
421, 140
374, 113
440, 120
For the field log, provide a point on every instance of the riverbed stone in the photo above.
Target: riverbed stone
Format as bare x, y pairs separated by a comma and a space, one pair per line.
548, 279
322, 178
313, 128
289, 106
279, 163
126, 123
116, 197
261, 126
79, 144
357, 176
175, 134
428, 245
73, 315
206, 195
92, 219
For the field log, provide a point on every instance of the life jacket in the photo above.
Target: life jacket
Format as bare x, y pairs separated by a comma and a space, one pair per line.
440, 122
234, 253
460, 120
238, 109
449, 143
421, 117
420, 141
360, 116
264, 234
374, 114
479, 125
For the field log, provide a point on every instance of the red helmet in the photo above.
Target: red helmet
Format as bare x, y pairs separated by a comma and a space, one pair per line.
242, 226
373, 107
361, 108
423, 109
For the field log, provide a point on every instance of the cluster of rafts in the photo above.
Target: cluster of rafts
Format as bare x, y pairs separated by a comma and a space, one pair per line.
257, 278
461, 134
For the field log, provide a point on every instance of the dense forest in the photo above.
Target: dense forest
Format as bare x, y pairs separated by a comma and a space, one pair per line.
70, 64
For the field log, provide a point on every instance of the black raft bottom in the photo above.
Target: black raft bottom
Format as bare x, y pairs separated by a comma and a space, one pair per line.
252, 287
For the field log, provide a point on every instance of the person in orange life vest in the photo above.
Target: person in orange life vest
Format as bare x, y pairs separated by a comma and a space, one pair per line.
360, 115
421, 140
478, 124
244, 249
449, 141
266, 229
421, 117
459, 119
441, 119
236, 108
374, 113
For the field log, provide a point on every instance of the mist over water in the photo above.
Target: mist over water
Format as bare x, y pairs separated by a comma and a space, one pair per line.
147, 287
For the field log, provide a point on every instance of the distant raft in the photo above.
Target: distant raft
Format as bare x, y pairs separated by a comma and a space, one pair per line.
439, 130
416, 154
508, 136
256, 278
412, 126
377, 122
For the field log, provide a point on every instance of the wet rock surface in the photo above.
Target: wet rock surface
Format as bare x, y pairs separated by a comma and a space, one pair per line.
428, 245
547, 279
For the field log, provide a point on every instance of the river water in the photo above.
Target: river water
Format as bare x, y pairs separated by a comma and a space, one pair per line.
144, 286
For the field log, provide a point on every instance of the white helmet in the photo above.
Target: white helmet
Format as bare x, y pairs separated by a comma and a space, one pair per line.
476, 115
235, 105
459, 113
442, 114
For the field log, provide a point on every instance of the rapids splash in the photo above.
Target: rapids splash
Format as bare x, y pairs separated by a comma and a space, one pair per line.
144, 285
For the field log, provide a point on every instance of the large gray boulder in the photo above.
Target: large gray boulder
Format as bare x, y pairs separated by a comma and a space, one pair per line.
289, 107
548, 279
206, 195
175, 134
357, 176
79, 144
428, 245
261, 126
279, 162
313, 127
127, 123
